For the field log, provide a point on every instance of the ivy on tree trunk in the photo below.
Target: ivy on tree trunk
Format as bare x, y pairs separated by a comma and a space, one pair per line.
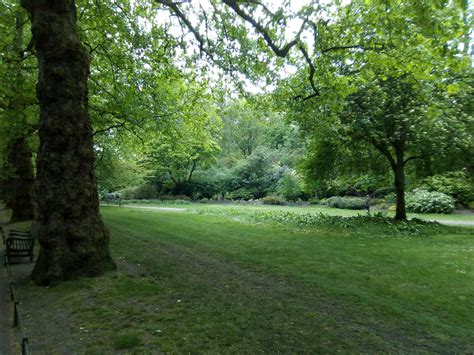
74, 241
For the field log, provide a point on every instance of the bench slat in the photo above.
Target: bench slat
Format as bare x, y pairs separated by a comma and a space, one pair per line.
19, 243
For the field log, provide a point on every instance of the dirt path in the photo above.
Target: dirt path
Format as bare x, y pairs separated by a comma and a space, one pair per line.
451, 222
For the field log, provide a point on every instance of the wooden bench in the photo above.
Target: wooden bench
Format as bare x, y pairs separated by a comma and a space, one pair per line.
19, 243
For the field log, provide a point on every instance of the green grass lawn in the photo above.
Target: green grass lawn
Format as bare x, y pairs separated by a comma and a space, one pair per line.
198, 282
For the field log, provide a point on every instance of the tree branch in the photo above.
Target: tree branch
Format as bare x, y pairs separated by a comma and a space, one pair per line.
355, 46
312, 72
280, 52
193, 168
172, 178
118, 125
415, 157
174, 6
385, 151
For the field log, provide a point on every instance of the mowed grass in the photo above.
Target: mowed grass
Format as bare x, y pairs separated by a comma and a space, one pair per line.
193, 283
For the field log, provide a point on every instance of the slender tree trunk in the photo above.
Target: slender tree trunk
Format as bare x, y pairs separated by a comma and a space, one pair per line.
399, 172
74, 241
20, 187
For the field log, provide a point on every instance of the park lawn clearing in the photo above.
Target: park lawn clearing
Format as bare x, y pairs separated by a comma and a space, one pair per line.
454, 217
196, 282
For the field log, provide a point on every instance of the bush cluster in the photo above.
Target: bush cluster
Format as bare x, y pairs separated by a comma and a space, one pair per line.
424, 201
456, 184
242, 194
273, 200
351, 203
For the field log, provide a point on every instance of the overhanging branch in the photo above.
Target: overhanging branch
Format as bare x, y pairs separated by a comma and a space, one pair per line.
280, 52
377, 47
174, 6
415, 157
118, 125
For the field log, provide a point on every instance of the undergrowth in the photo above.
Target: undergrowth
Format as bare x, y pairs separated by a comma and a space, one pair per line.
376, 224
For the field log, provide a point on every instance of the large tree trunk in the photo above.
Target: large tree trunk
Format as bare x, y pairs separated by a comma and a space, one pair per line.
399, 172
20, 186
74, 241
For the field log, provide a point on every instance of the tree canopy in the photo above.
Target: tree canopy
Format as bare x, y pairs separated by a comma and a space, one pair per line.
223, 100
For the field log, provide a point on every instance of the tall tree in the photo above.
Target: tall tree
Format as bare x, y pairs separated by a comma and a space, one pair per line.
392, 115
386, 66
74, 240
189, 142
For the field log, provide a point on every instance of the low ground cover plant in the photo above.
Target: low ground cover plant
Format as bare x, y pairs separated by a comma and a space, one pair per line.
378, 224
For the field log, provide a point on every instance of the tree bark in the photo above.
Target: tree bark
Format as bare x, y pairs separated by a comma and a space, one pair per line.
399, 172
20, 187
74, 241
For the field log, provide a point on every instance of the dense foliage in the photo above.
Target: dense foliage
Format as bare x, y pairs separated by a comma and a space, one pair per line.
423, 201
351, 203
359, 97
456, 184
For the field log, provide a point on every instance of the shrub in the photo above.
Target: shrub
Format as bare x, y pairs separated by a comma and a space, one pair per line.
128, 193
314, 201
290, 186
142, 192
145, 192
391, 198
380, 203
273, 200
379, 193
242, 194
351, 203
355, 184
455, 184
424, 201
